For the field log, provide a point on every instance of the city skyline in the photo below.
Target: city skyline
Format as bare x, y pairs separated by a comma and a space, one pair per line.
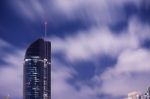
100, 48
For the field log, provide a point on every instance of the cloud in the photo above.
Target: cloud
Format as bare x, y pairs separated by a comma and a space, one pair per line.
3, 44
100, 40
131, 70
62, 89
32, 10
93, 42
92, 11
130, 73
11, 71
137, 62
97, 11
85, 45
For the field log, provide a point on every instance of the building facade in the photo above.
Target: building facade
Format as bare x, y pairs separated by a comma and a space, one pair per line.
37, 71
133, 95
147, 94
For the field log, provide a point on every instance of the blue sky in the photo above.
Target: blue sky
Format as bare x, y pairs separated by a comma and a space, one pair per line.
100, 48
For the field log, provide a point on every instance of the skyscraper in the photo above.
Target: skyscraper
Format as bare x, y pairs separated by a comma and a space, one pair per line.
37, 71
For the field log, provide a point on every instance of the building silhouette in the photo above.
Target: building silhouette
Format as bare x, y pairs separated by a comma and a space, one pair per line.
37, 71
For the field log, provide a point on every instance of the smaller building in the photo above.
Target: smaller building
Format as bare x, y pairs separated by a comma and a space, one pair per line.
134, 95
137, 95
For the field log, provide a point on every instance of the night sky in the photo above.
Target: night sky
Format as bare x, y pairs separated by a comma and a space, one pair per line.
100, 48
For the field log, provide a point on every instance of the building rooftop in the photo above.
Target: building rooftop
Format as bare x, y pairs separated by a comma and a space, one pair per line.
40, 48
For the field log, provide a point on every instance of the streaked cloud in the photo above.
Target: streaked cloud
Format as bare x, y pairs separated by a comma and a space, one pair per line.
132, 67
89, 43
90, 11
11, 71
61, 89
129, 72
99, 40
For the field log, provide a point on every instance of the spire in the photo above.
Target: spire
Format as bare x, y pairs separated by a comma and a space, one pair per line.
45, 35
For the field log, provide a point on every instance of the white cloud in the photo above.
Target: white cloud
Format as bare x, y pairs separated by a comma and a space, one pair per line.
122, 84
130, 73
99, 40
11, 72
33, 10
93, 11
87, 45
132, 68
61, 89
4, 44
97, 11
94, 42
134, 61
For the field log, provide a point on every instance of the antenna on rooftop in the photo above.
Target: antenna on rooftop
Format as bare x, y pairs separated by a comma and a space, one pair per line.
45, 35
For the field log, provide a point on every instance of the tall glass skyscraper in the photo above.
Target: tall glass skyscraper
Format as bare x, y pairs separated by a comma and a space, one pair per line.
37, 71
